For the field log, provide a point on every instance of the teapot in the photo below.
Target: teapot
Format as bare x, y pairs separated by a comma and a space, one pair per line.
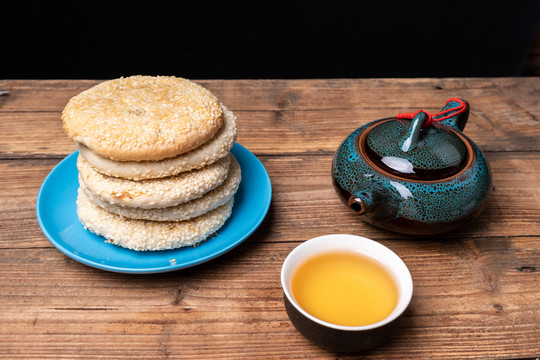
414, 173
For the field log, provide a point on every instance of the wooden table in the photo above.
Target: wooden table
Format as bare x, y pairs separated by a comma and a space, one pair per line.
477, 290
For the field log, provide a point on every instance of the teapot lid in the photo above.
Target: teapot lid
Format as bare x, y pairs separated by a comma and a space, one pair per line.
410, 149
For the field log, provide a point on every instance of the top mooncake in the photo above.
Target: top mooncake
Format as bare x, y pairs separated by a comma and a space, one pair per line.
142, 118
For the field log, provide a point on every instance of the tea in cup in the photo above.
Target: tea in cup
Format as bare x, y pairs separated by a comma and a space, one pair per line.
345, 292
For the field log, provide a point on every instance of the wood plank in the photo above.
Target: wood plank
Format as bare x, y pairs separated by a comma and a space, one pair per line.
39, 95
276, 132
502, 118
476, 290
304, 203
315, 94
19, 187
482, 302
304, 199
305, 115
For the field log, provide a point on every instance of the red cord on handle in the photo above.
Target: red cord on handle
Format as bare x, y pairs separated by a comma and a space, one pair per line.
447, 113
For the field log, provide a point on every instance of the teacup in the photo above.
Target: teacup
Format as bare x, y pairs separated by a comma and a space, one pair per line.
346, 338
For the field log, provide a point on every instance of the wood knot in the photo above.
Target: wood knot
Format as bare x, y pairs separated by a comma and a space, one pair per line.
527, 269
287, 99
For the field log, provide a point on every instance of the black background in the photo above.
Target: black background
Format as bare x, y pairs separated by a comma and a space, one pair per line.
307, 39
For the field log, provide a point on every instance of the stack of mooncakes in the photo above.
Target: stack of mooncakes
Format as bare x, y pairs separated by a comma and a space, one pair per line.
155, 168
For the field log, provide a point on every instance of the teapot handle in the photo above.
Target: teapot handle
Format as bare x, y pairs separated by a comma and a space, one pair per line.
455, 114
459, 119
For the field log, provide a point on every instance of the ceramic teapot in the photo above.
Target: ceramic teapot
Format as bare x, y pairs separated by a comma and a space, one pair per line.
414, 173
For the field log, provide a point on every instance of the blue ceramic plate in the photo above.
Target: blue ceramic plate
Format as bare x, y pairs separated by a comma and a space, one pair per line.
57, 215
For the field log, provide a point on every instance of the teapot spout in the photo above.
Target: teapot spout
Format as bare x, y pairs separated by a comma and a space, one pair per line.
373, 202
362, 203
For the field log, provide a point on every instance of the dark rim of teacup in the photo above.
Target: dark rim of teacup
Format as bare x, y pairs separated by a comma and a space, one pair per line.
399, 271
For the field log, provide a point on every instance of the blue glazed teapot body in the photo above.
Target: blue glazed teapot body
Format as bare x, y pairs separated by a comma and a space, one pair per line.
418, 176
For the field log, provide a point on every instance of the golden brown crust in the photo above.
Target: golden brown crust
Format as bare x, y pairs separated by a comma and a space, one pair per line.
206, 154
150, 235
143, 117
209, 201
154, 193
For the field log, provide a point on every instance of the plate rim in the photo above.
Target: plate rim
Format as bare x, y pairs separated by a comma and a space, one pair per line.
266, 200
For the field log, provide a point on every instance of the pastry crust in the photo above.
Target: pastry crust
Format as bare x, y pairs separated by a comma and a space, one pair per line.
154, 193
150, 235
205, 154
142, 118
180, 212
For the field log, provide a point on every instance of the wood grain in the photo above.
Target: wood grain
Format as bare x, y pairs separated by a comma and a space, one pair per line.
477, 290
462, 314
302, 115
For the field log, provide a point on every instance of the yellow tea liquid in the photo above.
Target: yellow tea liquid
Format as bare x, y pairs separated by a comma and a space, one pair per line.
344, 288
